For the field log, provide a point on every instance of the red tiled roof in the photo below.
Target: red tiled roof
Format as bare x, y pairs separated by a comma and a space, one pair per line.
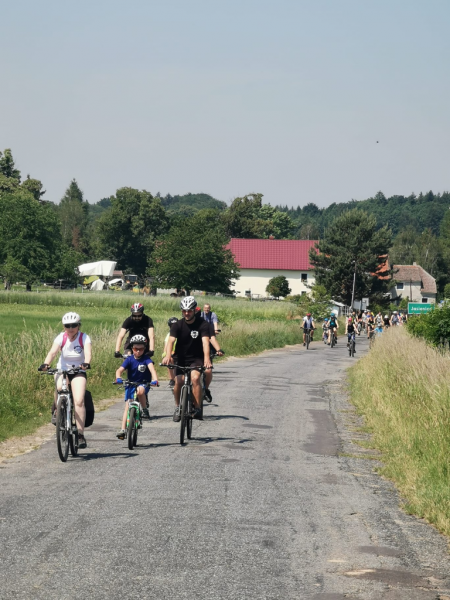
282, 255
415, 273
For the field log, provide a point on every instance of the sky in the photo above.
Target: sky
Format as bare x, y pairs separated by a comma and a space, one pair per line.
303, 101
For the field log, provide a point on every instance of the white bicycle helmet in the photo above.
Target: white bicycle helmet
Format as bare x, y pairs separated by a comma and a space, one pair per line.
138, 339
188, 303
71, 318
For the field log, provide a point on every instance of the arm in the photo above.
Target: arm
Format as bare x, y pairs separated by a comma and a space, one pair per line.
120, 337
151, 368
168, 358
215, 344
53, 352
215, 323
206, 358
151, 338
119, 372
88, 353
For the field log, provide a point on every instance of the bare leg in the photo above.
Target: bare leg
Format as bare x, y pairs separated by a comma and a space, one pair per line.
78, 386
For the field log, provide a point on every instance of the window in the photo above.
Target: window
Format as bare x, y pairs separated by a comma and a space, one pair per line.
424, 300
399, 286
304, 276
303, 293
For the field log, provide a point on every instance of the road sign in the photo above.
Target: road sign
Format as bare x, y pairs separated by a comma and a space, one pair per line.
417, 308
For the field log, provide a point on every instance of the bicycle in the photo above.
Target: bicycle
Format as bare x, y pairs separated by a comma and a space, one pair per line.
147, 405
333, 339
186, 400
359, 328
66, 426
134, 416
351, 345
307, 337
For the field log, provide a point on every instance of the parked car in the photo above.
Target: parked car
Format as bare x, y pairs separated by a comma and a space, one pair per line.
63, 284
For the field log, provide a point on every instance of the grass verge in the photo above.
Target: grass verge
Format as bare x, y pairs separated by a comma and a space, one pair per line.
402, 387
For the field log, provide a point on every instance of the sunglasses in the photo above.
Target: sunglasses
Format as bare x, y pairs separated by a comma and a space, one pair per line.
72, 325
136, 316
138, 349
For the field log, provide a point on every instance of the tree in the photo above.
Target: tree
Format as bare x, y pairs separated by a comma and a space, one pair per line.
318, 302
127, 231
34, 186
278, 286
73, 213
30, 237
353, 245
192, 256
248, 218
7, 166
447, 291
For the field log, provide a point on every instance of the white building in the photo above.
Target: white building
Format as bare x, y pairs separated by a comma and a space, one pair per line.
260, 260
413, 281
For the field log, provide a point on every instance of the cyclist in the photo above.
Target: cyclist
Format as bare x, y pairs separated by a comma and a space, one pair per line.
137, 324
308, 323
386, 322
350, 330
404, 318
210, 317
370, 328
192, 336
379, 319
395, 319
76, 351
333, 326
170, 322
325, 329
137, 366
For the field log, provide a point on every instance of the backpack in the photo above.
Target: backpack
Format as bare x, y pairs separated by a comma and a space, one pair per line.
90, 410
80, 340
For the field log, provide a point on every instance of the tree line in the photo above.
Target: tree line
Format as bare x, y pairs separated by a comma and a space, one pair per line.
179, 241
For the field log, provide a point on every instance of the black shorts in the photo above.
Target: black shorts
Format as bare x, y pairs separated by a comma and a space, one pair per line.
80, 374
193, 362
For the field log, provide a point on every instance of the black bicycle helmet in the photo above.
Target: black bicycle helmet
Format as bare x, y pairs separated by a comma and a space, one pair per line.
137, 308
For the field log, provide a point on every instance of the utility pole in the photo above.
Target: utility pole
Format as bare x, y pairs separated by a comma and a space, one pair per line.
354, 283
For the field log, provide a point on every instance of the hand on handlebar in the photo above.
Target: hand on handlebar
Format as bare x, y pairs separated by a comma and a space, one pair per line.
43, 367
119, 380
154, 383
85, 366
117, 354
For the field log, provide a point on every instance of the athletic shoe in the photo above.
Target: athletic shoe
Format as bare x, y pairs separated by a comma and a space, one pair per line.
81, 442
304, 343
177, 415
121, 435
172, 383
208, 396
145, 413
54, 418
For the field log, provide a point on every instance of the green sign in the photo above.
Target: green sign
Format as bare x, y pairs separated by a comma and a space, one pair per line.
416, 308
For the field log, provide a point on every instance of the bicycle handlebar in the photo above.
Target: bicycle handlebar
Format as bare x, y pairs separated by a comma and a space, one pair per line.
71, 371
201, 369
128, 383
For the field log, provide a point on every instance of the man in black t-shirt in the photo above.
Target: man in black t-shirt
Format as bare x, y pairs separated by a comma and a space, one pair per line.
136, 324
192, 336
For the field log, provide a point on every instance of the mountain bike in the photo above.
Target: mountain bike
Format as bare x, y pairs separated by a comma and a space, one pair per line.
186, 400
359, 327
371, 337
66, 426
333, 339
134, 414
351, 345
307, 337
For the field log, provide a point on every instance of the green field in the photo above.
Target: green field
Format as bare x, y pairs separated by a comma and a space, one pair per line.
30, 322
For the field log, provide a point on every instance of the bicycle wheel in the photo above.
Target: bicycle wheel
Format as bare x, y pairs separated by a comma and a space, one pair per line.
131, 428
308, 339
353, 348
189, 416
332, 340
184, 410
62, 435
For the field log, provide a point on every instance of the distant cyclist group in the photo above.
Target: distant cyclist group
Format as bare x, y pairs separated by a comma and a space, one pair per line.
190, 342
356, 323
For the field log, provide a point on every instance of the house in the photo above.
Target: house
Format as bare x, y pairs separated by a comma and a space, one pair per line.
260, 260
413, 281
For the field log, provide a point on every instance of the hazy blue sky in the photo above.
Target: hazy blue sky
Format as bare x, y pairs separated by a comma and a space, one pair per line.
287, 98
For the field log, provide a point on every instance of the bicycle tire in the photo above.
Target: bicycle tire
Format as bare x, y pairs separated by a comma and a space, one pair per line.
189, 416
62, 435
183, 409
135, 436
73, 443
332, 340
308, 340
131, 428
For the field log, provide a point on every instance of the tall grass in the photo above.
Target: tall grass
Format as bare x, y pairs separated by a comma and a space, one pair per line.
403, 389
228, 310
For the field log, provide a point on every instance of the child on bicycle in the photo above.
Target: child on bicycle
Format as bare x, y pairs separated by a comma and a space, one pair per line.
138, 366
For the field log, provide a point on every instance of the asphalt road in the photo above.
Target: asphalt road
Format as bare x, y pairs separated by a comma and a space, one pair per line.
267, 502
